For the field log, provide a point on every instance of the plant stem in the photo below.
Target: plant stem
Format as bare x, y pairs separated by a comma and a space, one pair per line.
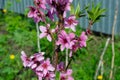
90, 24
68, 63
113, 48
38, 39
57, 48
66, 57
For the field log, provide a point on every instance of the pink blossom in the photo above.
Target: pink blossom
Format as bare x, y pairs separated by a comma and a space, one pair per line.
32, 12
25, 59
41, 3
65, 40
45, 32
64, 6
59, 6
78, 43
52, 5
35, 14
42, 68
33, 61
73, 49
66, 75
45, 67
50, 76
82, 40
71, 22
60, 67
50, 14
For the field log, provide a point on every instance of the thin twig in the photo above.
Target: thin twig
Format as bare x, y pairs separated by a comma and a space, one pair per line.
66, 57
90, 25
113, 49
38, 39
69, 63
101, 59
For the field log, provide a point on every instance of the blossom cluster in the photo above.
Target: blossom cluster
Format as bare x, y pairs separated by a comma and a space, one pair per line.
66, 75
51, 7
70, 41
39, 65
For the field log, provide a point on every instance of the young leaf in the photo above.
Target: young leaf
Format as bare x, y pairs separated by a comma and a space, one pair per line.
72, 9
77, 11
95, 13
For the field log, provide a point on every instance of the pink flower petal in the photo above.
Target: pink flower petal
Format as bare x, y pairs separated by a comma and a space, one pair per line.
75, 23
70, 1
34, 66
73, 28
45, 71
30, 63
43, 28
57, 42
70, 78
30, 14
48, 61
43, 6
23, 53
69, 72
49, 38
72, 17
67, 45
63, 33
40, 74
62, 47
51, 68
72, 35
68, 7
24, 59
52, 75
42, 35
39, 68
83, 44
40, 58
39, 78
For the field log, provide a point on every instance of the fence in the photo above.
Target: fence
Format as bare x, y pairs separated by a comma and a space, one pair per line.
104, 26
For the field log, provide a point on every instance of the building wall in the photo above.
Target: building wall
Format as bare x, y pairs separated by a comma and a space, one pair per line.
104, 25
1, 4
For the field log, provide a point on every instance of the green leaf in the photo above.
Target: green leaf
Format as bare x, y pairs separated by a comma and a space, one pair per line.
90, 15
95, 12
97, 8
72, 9
77, 11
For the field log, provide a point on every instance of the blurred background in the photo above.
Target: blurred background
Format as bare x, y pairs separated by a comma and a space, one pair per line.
17, 33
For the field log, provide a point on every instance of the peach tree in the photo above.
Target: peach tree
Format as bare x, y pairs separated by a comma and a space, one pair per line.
62, 36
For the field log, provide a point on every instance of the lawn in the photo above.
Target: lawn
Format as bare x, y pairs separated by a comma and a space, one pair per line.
18, 33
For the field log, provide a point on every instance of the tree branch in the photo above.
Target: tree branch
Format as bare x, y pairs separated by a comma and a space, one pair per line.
38, 39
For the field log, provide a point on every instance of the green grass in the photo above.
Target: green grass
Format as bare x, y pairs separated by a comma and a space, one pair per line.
18, 33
